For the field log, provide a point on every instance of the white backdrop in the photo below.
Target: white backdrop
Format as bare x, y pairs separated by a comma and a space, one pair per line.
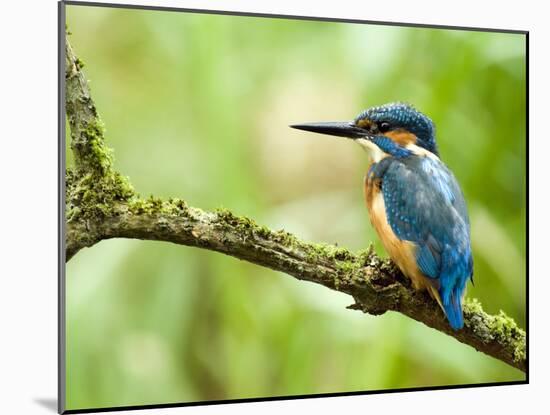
28, 163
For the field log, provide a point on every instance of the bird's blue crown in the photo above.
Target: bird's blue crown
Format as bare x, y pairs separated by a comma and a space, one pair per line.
402, 116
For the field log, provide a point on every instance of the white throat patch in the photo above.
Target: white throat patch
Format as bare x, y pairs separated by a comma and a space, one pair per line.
374, 151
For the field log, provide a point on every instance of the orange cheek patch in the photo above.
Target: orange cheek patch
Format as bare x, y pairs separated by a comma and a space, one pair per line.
401, 137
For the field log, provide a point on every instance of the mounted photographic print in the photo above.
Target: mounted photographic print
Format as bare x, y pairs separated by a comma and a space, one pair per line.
256, 207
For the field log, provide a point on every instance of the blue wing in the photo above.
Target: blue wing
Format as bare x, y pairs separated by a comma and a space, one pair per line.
424, 205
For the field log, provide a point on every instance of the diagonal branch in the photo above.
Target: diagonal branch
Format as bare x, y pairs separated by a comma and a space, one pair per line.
87, 143
101, 204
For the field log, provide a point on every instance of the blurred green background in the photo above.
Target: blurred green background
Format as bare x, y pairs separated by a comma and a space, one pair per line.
198, 107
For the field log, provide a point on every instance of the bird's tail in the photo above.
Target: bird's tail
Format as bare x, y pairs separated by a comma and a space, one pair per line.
450, 302
452, 305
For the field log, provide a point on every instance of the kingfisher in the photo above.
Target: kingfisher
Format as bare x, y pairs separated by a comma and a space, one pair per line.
414, 201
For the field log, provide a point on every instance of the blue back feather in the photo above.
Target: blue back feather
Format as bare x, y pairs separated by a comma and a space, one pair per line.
424, 205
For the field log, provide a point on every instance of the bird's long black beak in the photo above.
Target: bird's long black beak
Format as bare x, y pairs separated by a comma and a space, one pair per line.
340, 128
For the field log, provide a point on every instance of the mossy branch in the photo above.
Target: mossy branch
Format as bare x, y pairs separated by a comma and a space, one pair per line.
101, 204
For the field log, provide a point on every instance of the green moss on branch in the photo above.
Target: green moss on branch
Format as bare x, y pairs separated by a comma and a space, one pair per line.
499, 329
87, 130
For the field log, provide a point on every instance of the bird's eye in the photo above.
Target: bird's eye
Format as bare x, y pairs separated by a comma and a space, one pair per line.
384, 126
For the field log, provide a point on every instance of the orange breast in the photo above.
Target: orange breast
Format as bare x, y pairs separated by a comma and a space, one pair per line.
401, 252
